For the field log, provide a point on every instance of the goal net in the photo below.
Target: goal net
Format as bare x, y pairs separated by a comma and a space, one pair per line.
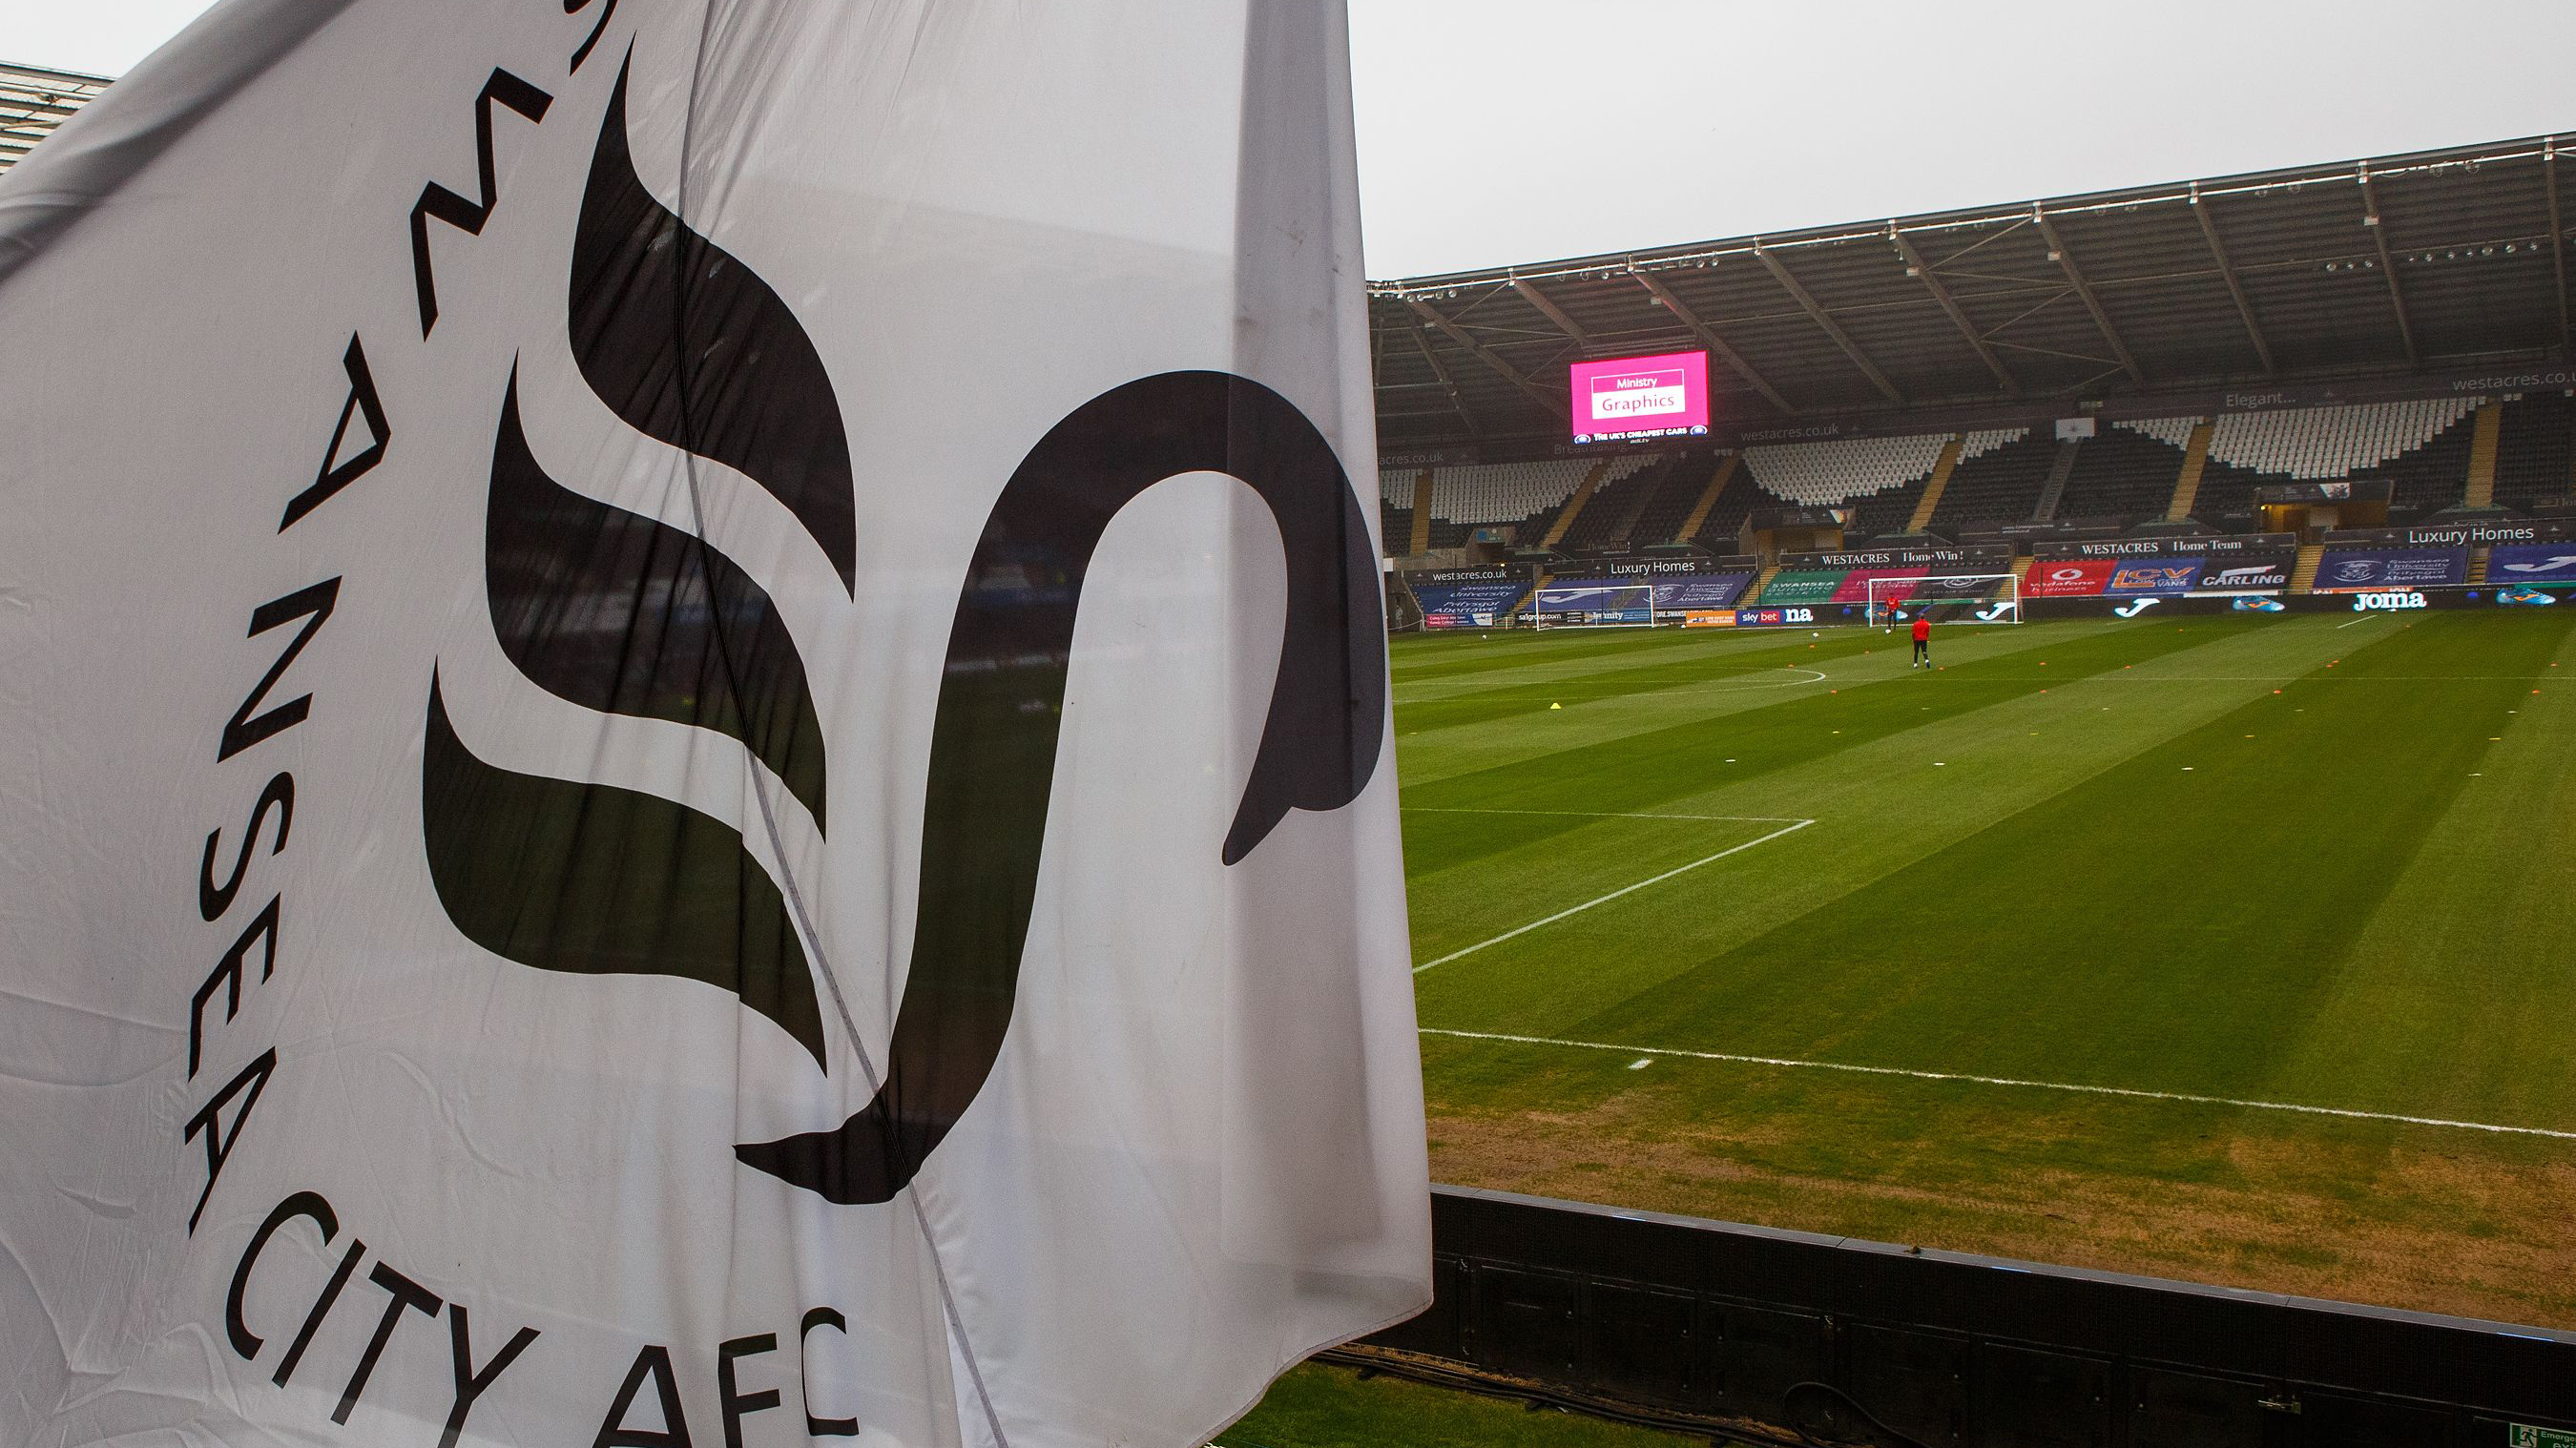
1593, 605
1948, 598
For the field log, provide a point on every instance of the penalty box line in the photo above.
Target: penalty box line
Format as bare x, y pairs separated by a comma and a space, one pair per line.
2131, 1092
1792, 827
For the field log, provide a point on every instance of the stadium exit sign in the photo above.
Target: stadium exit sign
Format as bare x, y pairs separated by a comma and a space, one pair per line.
2525, 1435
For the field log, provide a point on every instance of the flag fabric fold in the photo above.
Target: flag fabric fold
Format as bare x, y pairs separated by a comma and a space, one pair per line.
696, 733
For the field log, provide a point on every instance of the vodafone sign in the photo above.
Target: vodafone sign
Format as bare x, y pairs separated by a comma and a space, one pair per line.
2068, 577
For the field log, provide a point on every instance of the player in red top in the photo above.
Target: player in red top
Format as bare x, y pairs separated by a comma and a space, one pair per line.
1922, 640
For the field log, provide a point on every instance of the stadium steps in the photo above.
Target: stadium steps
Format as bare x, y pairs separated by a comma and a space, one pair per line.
2478, 565
2195, 461
1421, 514
2303, 574
2482, 467
1942, 467
1708, 497
2051, 492
1761, 581
1641, 489
1573, 508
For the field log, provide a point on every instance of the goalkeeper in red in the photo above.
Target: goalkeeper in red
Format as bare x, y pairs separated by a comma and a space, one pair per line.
1922, 639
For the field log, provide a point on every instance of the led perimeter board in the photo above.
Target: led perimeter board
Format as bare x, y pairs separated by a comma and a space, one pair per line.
1631, 397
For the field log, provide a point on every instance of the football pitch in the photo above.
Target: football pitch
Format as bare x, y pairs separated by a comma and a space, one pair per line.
2233, 949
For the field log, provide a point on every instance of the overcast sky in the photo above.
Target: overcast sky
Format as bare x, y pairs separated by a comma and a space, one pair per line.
1498, 131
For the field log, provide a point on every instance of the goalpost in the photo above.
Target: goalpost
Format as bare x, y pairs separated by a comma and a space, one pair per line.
1959, 597
1597, 605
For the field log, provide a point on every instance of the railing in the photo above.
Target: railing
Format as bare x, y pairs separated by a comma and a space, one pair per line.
1692, 1321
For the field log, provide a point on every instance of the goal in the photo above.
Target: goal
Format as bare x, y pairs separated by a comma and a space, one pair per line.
1594, 605
1949, 597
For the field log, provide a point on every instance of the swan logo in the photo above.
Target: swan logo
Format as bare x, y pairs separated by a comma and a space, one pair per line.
623, 614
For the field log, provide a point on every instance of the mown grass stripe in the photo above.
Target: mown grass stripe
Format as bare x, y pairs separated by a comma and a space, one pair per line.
1615, 894
2134, 1093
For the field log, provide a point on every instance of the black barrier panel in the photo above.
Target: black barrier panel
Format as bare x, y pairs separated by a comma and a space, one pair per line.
2032, 1399
1913, 1382
1528, 1324
2359, 1423
1761, 1353
1713, 1318
1641, 1345
2187, 1410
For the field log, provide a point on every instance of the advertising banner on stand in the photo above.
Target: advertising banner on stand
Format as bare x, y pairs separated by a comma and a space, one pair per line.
2166, 575
2067, 577
2534, 565
2352, 570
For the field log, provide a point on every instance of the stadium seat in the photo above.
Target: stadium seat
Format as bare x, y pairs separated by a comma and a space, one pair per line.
1997, 480
1879, 478
2126, 471
2536, 450
1524, 496
2420, 446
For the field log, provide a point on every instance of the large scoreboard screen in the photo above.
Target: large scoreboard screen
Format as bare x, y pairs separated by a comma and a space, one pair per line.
1632, 397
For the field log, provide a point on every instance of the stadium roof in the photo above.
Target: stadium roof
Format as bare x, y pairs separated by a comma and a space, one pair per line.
2429, 263
2426, 263
33, 101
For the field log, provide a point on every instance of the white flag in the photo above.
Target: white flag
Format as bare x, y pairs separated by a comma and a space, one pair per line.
694, 744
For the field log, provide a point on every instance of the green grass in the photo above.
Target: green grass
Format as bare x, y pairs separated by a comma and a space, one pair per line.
2323, 860
1330, 1407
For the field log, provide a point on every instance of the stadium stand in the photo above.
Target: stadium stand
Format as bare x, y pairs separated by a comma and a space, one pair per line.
1522, 498
2332, 442
1997, 481
2536, 450
1879, 478
1395, 510
1395, 528
1726, 516
2126, 470
1613, 508
2421, 447
34, 101
1840, 470
1668, 505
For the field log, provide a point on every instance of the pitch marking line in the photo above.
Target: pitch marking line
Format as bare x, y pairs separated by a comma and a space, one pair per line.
2128, 1091
1598, 814
1789, 829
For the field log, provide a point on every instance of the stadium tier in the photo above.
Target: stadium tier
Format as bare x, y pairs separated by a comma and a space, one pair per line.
1998, 480
2418, 456
34, 101
2535, 450
1519, 499
2125, 471
1880, 478
1675, 494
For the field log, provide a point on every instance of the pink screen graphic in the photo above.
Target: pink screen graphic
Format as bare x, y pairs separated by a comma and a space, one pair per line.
1630, 395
